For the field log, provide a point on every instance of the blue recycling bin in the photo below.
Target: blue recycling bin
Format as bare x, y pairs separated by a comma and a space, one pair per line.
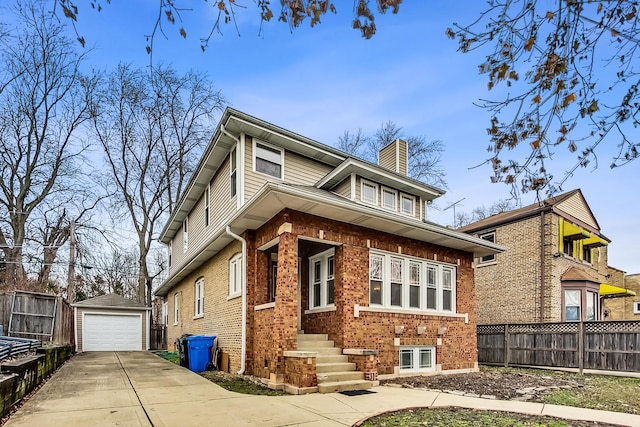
199, 352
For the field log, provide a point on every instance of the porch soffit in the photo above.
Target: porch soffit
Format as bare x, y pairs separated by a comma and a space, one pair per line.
274, 197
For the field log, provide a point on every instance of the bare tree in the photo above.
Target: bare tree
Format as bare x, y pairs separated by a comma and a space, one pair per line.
572, 83
152, 128
291, 12
482, 212
42, 108
424, 156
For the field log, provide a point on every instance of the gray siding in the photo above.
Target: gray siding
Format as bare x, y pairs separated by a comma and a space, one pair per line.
298, 170
575, 207
344, 188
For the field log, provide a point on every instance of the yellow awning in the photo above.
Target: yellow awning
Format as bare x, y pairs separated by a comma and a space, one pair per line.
607, 290
573, 232
594, 242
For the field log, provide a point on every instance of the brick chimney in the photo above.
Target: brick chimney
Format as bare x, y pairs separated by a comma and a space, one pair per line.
395, 156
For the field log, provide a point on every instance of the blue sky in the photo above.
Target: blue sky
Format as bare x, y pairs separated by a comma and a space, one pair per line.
320, 82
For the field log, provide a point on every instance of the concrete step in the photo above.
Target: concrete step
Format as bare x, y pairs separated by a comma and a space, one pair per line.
325, 351
304, 345
335, 367
331, 358
334, 387
328, 377
312, 337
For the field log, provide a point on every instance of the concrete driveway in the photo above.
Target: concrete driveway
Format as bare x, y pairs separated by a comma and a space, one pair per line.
142, 389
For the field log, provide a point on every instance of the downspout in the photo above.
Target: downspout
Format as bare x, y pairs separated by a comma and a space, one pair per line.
243, 286
542, 265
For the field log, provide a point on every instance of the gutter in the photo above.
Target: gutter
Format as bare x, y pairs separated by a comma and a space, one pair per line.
243, 355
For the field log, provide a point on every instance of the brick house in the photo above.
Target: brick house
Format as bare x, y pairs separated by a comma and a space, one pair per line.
625, 305
317, 270
555, 267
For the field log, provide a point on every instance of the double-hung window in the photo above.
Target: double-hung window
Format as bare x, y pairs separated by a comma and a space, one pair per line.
408, 283
185, 234
407, 204
322, 279
376, 263
389, 199
235, 276
165, 313
268, 160
636, 307
233, 161
176, 309
199, 298
489, 237
369, 192
572, 305
207, 202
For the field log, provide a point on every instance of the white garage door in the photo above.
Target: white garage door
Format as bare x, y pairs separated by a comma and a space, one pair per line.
112, 332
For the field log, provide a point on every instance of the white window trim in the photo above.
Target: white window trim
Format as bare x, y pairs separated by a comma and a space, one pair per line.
185, 234
364, 182
207, 206
232, 171
176, 311
393, 208
416, 359
198, 299
323, 257
636, 307
493, 257
255, 143
235, 276
170, 260
165, 313
386, 284
413, 202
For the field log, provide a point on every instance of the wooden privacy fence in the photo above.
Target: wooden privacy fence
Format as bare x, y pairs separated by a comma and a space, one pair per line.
45, 317
611, 346
158, 337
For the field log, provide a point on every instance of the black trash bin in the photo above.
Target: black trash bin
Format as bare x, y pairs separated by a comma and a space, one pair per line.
183, 350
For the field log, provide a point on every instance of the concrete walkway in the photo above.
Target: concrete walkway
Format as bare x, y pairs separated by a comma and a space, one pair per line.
141, 389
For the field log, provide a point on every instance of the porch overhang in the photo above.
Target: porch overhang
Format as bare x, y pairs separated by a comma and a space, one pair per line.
274, 197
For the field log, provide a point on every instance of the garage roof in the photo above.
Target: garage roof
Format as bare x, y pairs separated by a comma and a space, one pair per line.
111, 301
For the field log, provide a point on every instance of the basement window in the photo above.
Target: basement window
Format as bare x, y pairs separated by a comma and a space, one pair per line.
417, 359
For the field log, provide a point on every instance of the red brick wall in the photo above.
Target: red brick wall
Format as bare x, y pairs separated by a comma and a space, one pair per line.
371, 329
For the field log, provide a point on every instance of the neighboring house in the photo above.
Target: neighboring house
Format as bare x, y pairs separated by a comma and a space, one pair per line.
626, 306
278, 238
555, 267
111, 323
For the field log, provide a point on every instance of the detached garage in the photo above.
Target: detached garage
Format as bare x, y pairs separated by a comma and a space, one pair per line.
111, 323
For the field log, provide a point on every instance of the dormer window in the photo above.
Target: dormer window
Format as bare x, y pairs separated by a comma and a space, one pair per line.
268, 160
407, 204
389, 198
369, 192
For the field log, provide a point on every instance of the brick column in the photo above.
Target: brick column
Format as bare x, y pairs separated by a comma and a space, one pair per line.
286, 307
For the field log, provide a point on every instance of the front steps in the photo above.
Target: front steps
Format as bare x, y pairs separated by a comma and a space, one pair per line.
333, 370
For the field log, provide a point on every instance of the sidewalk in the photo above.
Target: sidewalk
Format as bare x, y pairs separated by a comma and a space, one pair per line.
141, 389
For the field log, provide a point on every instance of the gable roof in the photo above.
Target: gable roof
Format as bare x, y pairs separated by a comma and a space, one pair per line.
569, 205
234, 122
111, 301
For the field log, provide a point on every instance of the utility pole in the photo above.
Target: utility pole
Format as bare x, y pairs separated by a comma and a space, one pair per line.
453, 205
71, 277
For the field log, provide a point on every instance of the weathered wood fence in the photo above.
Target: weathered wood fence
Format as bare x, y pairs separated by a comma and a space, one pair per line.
45, 317
611, 346
158, 337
